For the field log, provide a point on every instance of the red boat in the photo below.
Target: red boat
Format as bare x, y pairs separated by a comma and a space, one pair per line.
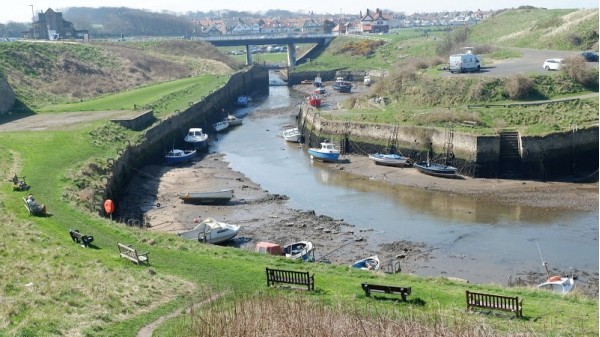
314, 100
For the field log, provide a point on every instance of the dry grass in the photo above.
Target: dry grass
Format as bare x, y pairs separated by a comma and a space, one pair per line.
274, 316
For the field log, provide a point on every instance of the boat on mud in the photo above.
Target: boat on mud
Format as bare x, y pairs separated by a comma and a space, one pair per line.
326, 153
392, 159
196, 137
177, 156
210, 197
211, 231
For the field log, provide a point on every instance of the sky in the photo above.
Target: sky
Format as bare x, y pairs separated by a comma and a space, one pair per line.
21, 11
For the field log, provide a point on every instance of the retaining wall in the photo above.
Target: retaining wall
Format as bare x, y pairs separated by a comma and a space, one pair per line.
170, 132
550, 157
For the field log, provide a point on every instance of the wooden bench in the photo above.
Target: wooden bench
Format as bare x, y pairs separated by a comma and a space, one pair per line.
129, 253
290, 277
83, 240
497, 302
27, 206
31, 211
369, 288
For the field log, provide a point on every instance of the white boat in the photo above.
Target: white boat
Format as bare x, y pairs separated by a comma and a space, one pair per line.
212, 197
196, 137
390, 159
292, 135
561, 285
304, 250
233, 120
220, 126
369, 263
211, 231
326, 153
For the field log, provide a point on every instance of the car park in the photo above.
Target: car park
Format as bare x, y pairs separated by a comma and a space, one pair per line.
553, 64
590, 56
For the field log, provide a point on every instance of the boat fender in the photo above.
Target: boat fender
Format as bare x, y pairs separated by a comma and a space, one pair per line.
554, 278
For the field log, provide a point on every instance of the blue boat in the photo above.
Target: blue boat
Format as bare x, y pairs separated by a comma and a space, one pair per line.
327, 153
242, 101
176, 156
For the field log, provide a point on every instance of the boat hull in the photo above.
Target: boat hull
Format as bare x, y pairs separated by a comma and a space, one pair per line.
437, 170
216, 197
179, 156
323, 156
292, 135
390, 160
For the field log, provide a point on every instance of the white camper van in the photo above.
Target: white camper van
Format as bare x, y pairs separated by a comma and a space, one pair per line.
460, 63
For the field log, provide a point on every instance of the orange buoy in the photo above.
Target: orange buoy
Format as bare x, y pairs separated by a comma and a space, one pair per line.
109, 206
554, 278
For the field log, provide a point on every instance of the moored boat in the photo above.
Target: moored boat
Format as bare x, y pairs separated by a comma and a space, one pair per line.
220, 126
342, 86
176, 156
196, 137
210, 197
314, 100
304, 250
369, 263
437, 170
211, 231
561, 285
392, 159
326, 153
292, 135
232, 120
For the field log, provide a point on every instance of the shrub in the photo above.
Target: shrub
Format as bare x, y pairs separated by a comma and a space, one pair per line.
519, 87
576, 68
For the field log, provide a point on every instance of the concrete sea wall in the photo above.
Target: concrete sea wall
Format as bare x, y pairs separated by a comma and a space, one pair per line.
163, 135
562, 154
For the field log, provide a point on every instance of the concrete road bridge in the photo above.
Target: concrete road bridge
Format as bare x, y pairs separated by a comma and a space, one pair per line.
259, 40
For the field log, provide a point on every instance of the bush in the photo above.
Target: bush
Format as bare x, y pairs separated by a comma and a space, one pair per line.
519, 87
577, 68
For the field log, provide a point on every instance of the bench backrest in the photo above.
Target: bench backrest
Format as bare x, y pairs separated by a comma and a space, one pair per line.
491, 301
290, 276
129, 253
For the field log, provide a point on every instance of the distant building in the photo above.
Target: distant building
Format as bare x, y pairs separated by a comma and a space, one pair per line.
51, 26
374, 22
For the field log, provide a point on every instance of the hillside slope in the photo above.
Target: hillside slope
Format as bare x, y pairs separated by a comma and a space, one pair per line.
561, 29
42, 73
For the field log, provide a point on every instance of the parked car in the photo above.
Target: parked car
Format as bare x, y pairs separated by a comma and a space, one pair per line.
590, 56
553, 64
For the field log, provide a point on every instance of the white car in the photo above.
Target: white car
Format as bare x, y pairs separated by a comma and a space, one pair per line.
553, 64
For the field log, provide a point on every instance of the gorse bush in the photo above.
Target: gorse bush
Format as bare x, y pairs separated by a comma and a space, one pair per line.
577, 69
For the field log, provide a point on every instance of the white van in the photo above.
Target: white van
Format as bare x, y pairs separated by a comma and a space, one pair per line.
460, 63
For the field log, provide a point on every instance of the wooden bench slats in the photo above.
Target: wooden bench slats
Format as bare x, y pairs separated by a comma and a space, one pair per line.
126, 251
290, 277
498, 302
403, 291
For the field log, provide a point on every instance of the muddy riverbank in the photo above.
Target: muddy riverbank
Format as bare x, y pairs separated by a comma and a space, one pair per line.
266, 216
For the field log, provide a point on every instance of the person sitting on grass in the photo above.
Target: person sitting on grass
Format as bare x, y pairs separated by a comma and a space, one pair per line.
34, 206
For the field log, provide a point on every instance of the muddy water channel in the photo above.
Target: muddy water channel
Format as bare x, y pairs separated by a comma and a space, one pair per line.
475, 239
